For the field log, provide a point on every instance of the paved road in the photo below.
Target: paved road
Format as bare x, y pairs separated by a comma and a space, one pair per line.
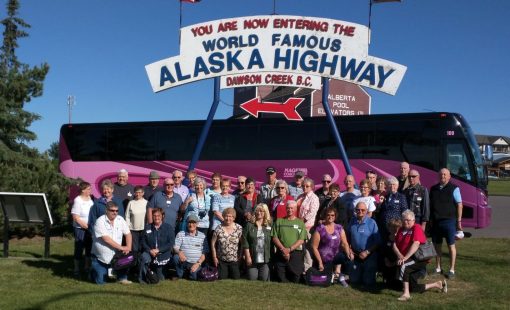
500, 226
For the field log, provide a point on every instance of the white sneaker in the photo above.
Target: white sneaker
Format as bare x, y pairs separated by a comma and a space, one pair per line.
341, 281
110, 273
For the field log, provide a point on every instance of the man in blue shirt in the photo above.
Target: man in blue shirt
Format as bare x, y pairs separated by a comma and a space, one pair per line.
364, 239
167, 200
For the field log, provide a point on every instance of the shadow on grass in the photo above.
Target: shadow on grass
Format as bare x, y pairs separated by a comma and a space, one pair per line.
58, 264
49, 303
486, 260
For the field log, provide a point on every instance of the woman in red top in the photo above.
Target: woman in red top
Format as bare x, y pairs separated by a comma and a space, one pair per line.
278, 204
408, 239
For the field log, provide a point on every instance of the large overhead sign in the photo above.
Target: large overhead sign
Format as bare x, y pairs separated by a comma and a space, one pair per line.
298, 46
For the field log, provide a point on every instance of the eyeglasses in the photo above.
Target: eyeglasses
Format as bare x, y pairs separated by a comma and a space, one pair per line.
240, 182
113, 211
360, 210
169, 184
330, 215
308, 186
326, 181
281, 187
413, 176
176, 177
138, 192
365, 187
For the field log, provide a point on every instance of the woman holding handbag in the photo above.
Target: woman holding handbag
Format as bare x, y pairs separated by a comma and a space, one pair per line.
407, 241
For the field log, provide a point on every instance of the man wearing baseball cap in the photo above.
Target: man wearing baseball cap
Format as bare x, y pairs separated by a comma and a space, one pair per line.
191, 248
268, 190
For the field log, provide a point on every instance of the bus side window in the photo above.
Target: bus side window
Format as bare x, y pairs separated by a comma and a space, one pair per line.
457, 160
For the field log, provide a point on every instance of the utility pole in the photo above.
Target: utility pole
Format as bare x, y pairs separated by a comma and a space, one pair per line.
70, 104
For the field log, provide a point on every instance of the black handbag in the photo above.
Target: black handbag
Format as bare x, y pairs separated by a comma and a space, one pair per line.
151, 276
425, 252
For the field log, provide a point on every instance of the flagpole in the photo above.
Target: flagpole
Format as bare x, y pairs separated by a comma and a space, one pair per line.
180, 21
369, 20
274, 7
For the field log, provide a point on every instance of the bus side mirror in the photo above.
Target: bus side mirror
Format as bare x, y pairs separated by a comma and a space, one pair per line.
487, 153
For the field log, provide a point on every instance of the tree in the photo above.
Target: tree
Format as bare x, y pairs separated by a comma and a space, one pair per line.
22, 168
18, 84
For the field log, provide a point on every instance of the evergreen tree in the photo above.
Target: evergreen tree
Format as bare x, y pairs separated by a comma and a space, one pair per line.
18, 84
22, 168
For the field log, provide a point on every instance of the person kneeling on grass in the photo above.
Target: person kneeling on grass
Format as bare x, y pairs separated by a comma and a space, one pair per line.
191, 247
157, 245
408, 240
108, 232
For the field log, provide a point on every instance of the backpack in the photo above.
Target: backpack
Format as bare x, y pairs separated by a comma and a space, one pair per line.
315, 277
151, 277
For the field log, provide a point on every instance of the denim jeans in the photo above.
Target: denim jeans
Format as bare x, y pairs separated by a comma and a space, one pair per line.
99, 271
364, 271
180, 268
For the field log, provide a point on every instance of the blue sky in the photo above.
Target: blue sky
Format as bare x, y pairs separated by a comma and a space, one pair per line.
456, 53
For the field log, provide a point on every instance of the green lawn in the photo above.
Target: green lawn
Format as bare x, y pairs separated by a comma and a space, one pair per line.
29, 282
499, 187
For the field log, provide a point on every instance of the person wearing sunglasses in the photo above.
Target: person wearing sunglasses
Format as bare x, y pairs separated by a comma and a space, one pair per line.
323, 192
99, 207
363, 236
179, 188
108, 232
241, 186
245, 204
417, 197
268, 189
277, 205
169, 201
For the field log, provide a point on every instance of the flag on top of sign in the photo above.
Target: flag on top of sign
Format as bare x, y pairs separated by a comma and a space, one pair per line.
191, 1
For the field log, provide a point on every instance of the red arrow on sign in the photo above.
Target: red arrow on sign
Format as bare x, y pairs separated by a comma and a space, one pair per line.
288, 108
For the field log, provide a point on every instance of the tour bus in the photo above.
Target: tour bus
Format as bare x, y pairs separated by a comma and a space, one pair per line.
427, 141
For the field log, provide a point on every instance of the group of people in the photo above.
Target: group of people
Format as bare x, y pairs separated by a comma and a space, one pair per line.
276, 232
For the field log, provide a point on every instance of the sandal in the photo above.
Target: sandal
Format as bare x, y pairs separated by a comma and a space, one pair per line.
444, 286
404, 298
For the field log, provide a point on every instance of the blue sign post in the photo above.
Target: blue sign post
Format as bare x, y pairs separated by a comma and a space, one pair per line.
333, 127
207, 125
